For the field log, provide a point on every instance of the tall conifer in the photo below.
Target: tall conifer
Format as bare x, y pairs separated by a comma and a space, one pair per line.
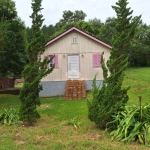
112, 96
35, 70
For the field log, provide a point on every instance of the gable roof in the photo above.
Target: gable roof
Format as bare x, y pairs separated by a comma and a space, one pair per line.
83, 33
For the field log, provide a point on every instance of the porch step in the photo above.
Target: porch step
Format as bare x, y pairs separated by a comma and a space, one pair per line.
75, 89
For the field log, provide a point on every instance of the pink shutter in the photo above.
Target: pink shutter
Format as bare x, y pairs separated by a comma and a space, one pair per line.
96, 60
55, 60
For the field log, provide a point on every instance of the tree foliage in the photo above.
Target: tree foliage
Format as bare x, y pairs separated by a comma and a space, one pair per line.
139, 51
35, 70
107, 30
12, 41
82, 25
69, 16
48, 31
112, 96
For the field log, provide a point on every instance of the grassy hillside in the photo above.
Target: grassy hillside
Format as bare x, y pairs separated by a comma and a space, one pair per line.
55, 129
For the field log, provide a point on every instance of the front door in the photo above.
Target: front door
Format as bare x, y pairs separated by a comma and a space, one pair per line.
73, 66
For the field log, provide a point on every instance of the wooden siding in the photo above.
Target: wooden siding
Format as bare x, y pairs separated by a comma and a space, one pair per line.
84, 47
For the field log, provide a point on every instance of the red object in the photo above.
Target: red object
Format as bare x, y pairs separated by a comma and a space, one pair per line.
7, 83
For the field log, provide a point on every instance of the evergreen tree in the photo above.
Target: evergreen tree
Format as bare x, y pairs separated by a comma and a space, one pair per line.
112, 96
35, 70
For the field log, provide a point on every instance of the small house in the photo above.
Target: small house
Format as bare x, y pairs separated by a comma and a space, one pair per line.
77, 57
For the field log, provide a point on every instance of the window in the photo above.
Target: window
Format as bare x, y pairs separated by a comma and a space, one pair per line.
96, 60
51, 62
74, 39
54, 61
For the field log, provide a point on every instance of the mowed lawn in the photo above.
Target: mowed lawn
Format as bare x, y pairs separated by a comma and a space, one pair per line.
55, 129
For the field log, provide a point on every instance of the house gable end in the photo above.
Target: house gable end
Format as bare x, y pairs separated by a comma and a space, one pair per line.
83, 33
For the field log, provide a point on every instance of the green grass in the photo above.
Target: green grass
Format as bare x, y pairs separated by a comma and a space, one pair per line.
139, 81
18, 85
51, 131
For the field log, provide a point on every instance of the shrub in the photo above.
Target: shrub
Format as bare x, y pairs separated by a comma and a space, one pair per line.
93, 106
106, 101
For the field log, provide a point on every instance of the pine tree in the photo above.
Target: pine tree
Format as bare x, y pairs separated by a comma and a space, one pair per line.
112, 96
35, 70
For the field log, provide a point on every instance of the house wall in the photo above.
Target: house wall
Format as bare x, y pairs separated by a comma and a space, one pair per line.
84, 48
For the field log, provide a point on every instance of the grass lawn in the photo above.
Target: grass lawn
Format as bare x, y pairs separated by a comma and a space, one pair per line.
53, 131
139, 81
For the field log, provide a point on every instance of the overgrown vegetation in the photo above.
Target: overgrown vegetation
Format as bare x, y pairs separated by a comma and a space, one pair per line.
112, 96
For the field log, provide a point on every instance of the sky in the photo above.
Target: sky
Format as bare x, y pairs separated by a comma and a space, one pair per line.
100, 9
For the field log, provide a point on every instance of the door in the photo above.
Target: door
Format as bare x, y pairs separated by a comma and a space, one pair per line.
73, 66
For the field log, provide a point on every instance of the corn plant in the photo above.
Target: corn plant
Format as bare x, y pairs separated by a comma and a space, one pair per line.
9, 116
131, 124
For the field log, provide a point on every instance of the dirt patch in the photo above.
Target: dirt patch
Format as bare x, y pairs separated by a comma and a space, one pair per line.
40, 137
139, 89
18, 139
92, 137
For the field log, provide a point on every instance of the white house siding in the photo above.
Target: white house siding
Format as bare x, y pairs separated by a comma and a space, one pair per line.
84, 48
54, 83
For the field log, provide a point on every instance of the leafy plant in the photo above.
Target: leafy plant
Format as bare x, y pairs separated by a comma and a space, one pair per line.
9, 116
74, 121
131, 124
